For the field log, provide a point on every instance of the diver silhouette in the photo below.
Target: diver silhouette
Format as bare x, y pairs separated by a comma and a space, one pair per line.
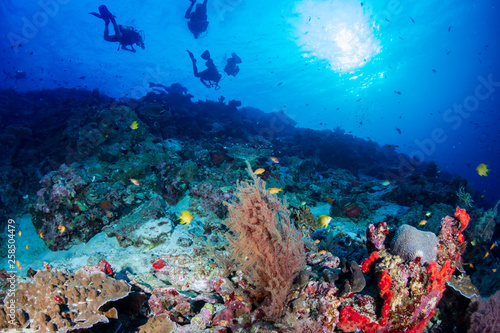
198, 19
231, 66
210, 77
125, 35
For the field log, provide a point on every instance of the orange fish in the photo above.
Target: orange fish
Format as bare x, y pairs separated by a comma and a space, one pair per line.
317, 241
491, 247
259, 171
19, 233
322, 252
134, 181
41, 234
486, 255
274, 190
494, 270
27, 247
274, 159
423, 222
18, 264
61, 228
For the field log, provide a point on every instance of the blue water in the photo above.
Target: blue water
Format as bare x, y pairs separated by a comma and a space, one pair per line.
390, 71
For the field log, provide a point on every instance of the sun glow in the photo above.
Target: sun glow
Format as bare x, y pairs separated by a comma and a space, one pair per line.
337, 31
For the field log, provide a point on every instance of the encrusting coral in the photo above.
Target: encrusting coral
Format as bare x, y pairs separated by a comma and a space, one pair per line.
264, 244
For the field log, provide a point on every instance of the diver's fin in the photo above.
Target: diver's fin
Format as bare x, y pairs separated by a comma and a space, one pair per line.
97, 15
105, 13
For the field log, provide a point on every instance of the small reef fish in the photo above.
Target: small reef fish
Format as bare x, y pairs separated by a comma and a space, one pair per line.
19, 233
322, 252
423, 222
259, 171
303, 203
61, 228
486, 255
428, 213
27, 247
274, 159
185, 217
493, 245
473, 242
494, 270
324, 220
41, 234
317, 241
18, 264
385, 183
134, 181
134, 125
274, 190
482, 169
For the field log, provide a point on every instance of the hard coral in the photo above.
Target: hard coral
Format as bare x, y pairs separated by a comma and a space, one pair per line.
410, 243
59, 302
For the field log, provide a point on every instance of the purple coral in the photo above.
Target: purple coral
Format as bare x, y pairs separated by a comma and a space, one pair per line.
487, 316
410, 243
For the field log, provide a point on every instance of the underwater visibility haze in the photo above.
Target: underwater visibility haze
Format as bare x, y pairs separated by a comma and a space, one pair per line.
250, 166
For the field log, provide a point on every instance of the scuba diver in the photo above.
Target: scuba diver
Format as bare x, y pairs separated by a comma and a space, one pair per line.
125, 35
210, 77
231, 66
198, 19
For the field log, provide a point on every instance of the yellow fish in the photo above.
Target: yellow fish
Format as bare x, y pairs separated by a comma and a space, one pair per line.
259, 171
27, 247
61, 228
482, 170
19, 233
473, 242
274, 190
134, 125
385, 183
185, 217
41, 234
324, 220
274, 159
134, 181
423, 222
18, 264
303, 203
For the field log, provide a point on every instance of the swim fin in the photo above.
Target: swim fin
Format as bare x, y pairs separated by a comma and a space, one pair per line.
104, 13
